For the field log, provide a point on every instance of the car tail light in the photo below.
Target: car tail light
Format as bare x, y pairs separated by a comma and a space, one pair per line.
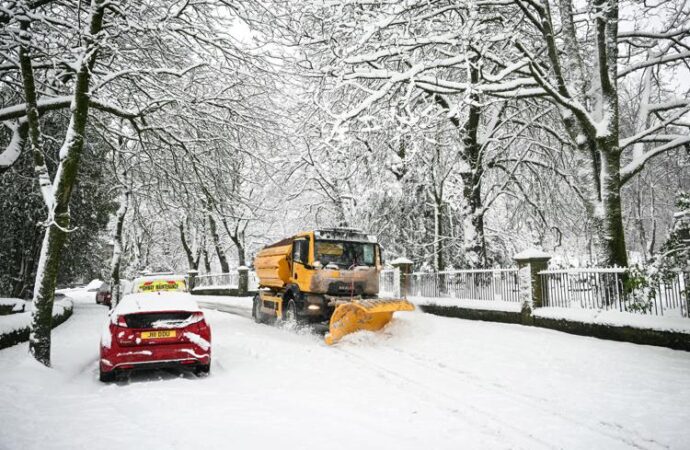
121, 322
196, 317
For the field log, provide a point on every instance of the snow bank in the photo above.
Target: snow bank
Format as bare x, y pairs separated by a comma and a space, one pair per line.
215, 287
14, 304
156, 301
14, 328
488, 305
93, 285
15, 322
616, 318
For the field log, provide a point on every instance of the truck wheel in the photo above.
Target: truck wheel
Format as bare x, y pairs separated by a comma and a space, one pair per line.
291, 316
256, 310
291, 312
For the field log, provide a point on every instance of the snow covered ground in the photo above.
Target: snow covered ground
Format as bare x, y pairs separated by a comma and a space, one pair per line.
424, 382
487, 305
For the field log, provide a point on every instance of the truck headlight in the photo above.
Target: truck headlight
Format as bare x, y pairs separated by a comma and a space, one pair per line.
313, 307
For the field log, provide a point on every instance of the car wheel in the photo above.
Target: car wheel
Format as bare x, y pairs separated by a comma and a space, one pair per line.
106, 377
203, 369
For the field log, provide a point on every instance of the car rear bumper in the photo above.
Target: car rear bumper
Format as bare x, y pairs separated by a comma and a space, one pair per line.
153, 357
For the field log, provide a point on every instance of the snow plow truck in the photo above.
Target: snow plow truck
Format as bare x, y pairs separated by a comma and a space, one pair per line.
328, 276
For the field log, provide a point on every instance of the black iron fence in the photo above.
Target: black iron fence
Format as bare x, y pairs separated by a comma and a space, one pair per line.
617, 289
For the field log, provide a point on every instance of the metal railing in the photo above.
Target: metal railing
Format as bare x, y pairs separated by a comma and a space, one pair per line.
591, 288
483, 284
614, 289
225, 280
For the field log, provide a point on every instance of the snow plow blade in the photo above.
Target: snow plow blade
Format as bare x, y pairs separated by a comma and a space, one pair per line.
371, 315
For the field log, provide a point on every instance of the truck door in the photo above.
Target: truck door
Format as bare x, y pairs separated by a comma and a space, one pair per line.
300, 259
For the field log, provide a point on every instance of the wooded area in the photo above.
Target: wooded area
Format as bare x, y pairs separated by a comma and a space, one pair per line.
149, 135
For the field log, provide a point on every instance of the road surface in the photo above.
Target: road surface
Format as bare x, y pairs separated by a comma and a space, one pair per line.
424, 382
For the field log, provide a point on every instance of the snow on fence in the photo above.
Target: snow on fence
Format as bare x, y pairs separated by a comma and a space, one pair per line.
389, 283
616, 289
482, 284
591, 288
225, 281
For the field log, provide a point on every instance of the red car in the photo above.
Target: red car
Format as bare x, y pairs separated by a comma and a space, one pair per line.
155, 330
103, 295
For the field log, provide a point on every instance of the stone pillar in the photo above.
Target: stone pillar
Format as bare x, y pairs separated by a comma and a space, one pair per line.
242, 280
530, 262
404, 266
191, 278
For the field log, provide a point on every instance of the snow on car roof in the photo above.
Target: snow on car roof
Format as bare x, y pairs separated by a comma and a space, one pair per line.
94, 284
156, 301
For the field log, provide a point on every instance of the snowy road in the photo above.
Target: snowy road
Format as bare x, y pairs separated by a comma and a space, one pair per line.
425, 382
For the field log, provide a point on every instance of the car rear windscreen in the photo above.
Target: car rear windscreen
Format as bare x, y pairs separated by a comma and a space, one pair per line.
158, 320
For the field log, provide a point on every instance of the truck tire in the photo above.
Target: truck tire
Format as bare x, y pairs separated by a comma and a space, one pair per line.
256, 310
291, 312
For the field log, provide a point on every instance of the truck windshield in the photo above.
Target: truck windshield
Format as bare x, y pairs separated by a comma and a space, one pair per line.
344, 254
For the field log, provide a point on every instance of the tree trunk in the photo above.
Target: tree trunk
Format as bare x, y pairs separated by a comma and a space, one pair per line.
191, 261
117, 251
44, 288
475, 243
439, 263
243, 274
65, 179
473, 220
608, 213
224, 266
207, 262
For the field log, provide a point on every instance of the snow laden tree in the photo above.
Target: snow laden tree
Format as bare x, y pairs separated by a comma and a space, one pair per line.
565, 58
57, 192
383, 70
207, 170
579, 59
675, 252
126, 63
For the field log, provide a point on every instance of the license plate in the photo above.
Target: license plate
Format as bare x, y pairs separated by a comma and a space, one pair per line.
161, 334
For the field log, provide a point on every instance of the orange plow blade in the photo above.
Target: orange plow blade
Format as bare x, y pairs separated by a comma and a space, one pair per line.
371, 315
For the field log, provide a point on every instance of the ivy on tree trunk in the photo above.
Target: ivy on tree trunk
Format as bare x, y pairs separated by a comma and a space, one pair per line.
61, 192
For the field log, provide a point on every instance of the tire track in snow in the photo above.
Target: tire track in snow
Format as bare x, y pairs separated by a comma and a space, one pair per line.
229, 309
619, 431
450, 378
447, 401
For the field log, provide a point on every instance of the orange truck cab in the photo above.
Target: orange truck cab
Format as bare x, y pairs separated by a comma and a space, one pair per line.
304, 277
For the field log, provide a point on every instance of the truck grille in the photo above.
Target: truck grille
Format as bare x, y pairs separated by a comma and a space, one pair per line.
345, 288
